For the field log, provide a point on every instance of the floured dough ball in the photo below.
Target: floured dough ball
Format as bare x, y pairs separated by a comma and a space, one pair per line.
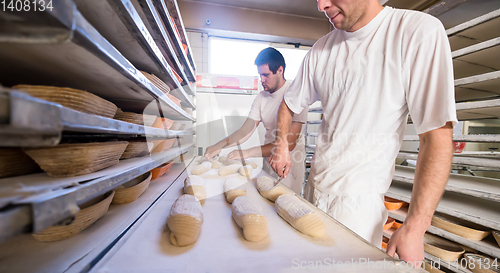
249, 216
202, 168
246, 171
251, 163
266, 188
234, 187
299, 215
228, 170
185, 220
195, 185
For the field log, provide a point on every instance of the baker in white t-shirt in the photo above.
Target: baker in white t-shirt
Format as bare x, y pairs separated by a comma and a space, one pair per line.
377, 66
271, 66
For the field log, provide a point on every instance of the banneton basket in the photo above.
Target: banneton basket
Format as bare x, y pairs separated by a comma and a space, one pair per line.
130, 191
79, 100
162, 145
389, 223
157, 82
141, 119
392, 204
482, 264
442, 248
13, 161
135, 148
158, 172
90, 212
77, 159
496, 234
460, 227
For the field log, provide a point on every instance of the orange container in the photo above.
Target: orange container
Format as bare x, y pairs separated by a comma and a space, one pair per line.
163, 123
175, 100
396, 225
162, 145
389, 223
392, 204
157, 172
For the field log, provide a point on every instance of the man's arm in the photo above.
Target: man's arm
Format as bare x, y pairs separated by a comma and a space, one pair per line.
239, 136
280, 158
266, 149
431, 175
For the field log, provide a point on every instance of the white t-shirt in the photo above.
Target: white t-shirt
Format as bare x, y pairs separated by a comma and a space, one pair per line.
368, 81
265, 109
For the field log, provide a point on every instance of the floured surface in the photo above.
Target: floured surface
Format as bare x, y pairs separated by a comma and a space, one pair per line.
222, 248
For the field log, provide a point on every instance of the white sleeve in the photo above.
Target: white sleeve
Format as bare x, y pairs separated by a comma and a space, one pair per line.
255, 112
430, 91
302, 117
302, 93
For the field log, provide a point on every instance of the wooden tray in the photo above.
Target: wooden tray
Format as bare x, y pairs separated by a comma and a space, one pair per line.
90, 212
77, 159
442, 248
135, 148
481, 264
162, 145
392, 204
459, 227
130, 191
13, 161
158, 172
157, 82
141, 119
79, 100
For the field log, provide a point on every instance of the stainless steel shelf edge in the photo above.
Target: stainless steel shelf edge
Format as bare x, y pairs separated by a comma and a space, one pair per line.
487, 163
462, 138
475, 48
474, 22
477, 78
488, 248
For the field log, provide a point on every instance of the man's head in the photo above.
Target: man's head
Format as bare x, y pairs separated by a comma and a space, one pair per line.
271, 66
349, 15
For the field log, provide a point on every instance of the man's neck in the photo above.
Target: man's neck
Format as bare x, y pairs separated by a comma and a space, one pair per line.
281, 83
372, 11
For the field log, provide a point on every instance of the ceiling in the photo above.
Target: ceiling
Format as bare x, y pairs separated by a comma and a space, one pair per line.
296, 7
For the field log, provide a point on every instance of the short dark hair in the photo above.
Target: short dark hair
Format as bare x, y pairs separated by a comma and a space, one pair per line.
271, 57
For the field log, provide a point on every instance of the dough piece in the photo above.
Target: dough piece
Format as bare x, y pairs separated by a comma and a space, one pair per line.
251, 163
249, 216
231, 169
202, 168
299, 215
185, 220
246, 171
266, 188
223, 160
201, 160
215, 164
195, 185
234, 187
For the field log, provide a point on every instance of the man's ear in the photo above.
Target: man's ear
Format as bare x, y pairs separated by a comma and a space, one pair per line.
280, 70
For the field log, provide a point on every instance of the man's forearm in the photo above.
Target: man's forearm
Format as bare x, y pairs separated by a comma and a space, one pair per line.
283, 125
431, 175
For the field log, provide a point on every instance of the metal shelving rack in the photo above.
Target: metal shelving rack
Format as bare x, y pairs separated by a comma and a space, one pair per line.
104, 56
476, 52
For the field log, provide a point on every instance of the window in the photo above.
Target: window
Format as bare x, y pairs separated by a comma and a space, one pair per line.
236, 57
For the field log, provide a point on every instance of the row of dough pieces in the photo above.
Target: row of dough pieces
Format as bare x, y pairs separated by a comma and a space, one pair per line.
186, 217
244, 167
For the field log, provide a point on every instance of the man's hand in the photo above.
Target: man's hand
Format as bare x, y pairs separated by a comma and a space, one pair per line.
408, 243
212, 151
280, 160
237, 154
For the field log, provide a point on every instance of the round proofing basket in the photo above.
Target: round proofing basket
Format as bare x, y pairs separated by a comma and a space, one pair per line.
141, 119
442, 248
135, 149
459, 227
161, 170
482, 264
392, 204
496, 234
77, 159
157, 82
132, 189
13, 161
90, 212
79, 100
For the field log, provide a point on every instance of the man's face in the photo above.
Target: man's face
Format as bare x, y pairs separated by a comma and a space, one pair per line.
270, 82
343, 14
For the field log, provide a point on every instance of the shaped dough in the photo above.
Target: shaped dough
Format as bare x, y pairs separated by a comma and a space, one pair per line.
251, 163
246, 171
185, 220
249, 216
202, 168
234, 187
231, 169
195, 185
266, 188
299, 215
215, 164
